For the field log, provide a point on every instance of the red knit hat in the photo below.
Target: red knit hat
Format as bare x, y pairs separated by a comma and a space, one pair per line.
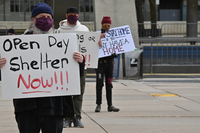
106, 19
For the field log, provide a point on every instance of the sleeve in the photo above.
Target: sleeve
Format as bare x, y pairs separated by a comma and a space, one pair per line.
82, 66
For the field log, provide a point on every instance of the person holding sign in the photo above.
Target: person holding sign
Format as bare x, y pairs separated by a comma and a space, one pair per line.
43, 113
105, 68
72, 23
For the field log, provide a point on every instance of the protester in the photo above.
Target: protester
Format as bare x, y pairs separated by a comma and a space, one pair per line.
105, 68
72, 23
44, 113
11, 32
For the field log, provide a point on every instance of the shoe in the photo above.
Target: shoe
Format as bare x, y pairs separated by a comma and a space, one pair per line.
112, 108
98, 108
78, 123
67, 123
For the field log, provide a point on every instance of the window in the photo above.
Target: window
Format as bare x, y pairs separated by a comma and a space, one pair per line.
12, 6
87, 8
81, 9
91, 8
86, 5
21, 5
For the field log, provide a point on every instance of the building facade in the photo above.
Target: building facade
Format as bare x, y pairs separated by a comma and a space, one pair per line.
20, 10
15, 13
168, 10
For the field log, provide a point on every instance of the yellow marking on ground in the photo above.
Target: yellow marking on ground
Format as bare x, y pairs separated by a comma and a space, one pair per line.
164, 95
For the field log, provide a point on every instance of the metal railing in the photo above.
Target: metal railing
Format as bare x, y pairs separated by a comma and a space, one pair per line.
3, 30
145, 30
149, 30
89, 25
170, 54
180, 29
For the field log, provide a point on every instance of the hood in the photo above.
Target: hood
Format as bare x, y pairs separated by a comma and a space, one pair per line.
63, 25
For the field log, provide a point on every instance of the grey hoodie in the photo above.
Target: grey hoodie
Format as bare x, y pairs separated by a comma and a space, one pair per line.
78, 27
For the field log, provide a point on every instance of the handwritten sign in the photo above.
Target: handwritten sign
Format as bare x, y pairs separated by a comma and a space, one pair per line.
117, 40
87, 45
39, 65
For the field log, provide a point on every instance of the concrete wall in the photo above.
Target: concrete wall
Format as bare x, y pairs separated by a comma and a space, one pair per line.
122, 12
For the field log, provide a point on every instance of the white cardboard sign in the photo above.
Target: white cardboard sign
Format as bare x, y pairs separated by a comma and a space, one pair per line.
87, 45
117, 40
39, 65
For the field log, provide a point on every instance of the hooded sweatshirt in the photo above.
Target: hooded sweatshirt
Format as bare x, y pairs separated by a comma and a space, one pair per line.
78, 27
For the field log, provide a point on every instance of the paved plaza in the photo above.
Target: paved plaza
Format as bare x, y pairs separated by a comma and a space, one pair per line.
148, 105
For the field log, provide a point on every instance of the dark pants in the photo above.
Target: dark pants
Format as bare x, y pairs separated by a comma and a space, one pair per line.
78, 99
68, 106
33, 123
105, 68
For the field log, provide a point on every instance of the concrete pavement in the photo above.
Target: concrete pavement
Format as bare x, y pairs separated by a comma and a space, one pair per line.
140, 112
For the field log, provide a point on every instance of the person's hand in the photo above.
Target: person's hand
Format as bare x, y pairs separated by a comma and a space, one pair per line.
114, 55
100, 43
101, 36
78, 57
2, 62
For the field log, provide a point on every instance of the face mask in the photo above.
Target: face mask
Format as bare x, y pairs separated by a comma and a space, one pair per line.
44, 24
72, 19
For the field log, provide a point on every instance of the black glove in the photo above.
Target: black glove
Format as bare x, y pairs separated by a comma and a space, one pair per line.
82, 66
114, 55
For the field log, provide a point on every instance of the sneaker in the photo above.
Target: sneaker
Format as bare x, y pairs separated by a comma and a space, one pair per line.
112, 108
78, 123
67, 123
98, 108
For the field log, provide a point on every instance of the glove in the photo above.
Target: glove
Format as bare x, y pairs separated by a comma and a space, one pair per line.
114, 55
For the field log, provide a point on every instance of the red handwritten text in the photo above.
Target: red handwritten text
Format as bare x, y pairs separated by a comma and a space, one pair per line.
36, 83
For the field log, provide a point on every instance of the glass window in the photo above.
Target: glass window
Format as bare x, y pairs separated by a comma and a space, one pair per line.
81, 9
87, 8
32, 5
12, 6
16, 5
91, 8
